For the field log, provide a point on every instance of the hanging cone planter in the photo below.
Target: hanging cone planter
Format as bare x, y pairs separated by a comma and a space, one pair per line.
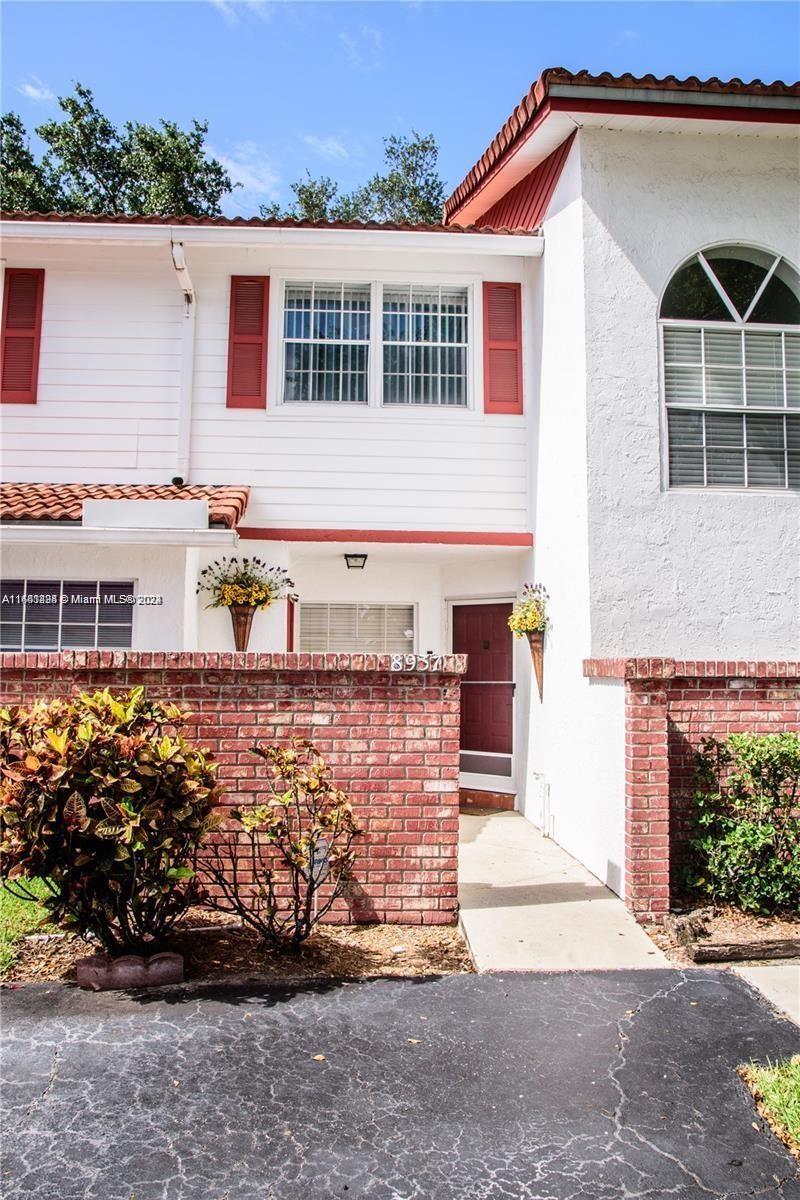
242, 621
536, 643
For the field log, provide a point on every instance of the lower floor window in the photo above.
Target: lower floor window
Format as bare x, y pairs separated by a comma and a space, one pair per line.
357, 628
53, 614
725, 449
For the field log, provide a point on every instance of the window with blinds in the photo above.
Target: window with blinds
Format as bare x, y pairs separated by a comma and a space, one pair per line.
326, 335
51, 614
425, 345
356, 628
731, 360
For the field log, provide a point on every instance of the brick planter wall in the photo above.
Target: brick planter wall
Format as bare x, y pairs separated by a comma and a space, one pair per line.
669, 706
391, 739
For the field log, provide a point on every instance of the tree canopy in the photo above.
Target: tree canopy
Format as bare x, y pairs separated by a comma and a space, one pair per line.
89, 165
409, 189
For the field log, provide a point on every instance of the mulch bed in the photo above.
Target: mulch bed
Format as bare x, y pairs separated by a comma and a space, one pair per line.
727, 926
215, 948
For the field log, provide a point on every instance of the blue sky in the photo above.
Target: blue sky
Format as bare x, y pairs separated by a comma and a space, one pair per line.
289, 86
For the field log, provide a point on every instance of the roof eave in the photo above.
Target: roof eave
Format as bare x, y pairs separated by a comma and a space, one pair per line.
55, 533
520, 243
566, 98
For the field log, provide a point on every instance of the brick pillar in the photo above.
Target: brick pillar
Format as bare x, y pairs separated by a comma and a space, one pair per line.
646, 799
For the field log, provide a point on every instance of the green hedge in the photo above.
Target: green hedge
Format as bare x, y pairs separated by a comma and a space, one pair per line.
745, 837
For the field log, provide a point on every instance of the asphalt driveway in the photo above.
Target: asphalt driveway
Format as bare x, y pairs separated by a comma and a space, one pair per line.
596, 1085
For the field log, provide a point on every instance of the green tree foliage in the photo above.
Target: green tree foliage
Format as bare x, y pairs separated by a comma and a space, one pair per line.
745, 840
409, 189
286, 862
103, 800
24, 183
91, 166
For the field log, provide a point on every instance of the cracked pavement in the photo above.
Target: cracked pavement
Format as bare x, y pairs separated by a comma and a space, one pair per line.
615, 1085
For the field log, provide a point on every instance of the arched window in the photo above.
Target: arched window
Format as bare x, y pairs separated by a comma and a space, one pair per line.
730, 329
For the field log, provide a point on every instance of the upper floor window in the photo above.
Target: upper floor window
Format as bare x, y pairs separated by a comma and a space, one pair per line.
419, 335
425, 345
730, 328
326, 329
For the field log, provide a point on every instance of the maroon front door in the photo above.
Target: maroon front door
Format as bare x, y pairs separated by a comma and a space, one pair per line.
487, 692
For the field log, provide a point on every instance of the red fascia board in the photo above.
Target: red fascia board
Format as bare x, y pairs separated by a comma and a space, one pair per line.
689, 112
440, 537
633, 108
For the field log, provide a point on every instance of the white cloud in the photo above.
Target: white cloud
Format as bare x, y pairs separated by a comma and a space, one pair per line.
327, 147
36, 89
230, 10
249, 166
226, 10
364, 49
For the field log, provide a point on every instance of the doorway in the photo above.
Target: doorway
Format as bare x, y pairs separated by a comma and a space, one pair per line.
480, 630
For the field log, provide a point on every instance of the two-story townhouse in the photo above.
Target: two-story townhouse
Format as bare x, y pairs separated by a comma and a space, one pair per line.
588, 375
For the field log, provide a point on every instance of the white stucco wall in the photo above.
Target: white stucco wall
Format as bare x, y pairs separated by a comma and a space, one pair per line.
689, 573
631, 567
155, 571
574, 782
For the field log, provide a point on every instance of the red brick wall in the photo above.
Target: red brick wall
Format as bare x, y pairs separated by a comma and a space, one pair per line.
705, 707
670, 706
391, 739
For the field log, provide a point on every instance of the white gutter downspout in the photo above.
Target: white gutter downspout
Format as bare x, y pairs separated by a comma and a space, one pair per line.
187, 364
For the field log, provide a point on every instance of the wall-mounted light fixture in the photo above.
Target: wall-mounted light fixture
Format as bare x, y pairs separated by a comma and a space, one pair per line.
355, 562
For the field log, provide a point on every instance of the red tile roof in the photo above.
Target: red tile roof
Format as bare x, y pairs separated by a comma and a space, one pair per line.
64, 501
247, 222
523, 115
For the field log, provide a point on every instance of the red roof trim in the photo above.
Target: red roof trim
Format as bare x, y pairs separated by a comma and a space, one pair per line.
527, 202
443, 537
532, 108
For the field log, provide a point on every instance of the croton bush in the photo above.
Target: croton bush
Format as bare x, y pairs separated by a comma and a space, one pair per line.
745, 838
103, 798
283, 864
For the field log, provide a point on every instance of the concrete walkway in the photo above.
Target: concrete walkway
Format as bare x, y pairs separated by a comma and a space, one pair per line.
779, 982
526, 905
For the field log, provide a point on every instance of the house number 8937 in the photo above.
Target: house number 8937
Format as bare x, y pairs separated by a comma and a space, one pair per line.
416, 662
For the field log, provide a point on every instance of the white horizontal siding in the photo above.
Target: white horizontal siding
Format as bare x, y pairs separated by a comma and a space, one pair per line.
108, 400
109, 369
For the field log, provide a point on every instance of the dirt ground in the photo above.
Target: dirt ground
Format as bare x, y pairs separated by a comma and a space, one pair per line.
727, 925
217, 949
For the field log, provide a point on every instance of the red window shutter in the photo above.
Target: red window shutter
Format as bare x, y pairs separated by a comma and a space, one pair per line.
23, 293
247, 342
502, 348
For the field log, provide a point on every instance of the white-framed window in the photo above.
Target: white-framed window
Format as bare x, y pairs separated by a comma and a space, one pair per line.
55, 614
356, 628
425, 344
730, 345
393, 344
326, 342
